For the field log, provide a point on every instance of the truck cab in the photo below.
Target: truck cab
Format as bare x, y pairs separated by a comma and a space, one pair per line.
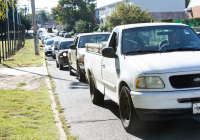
77, 52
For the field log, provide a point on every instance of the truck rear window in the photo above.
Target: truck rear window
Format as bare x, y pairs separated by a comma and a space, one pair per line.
96, 38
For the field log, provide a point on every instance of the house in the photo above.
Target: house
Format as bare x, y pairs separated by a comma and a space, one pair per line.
160, 9
193, 9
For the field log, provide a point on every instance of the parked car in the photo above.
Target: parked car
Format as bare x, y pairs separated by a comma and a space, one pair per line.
54, 46
75, 35
49, 30
47, 47
40, 32
67, 35
45, 39
198, 33
62, 33
149, 81
77, 52
62, 53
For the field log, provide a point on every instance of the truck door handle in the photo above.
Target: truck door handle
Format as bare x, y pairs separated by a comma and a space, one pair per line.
103, 66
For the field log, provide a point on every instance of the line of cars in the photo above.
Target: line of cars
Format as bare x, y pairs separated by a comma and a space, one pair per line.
150, 70
63, 34
70, 51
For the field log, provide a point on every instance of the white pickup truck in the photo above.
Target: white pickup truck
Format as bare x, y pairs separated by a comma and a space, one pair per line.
151, 70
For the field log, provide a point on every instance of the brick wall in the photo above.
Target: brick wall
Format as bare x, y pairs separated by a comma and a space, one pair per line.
166, 15
195, 13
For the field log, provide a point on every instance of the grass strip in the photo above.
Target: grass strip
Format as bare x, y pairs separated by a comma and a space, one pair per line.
25, 57
26, 115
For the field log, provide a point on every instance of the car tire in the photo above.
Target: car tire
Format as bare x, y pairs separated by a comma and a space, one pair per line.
57, 65
129, 118
70, 71
96, 96
80, 75
61, 67
53, 56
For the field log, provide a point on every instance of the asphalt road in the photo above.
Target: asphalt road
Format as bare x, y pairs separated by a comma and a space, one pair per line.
91, 122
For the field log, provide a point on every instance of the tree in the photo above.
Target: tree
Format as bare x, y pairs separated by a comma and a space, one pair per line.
42, 14
70, 11
26, 22
80, 26
128, 14
187, 3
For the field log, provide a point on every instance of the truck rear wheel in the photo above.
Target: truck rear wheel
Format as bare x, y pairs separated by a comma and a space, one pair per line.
70, 70
96, 96
80, 75
129, 118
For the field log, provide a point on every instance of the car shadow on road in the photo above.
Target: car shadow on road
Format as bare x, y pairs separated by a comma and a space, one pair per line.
79, 85
183, 129
112, 106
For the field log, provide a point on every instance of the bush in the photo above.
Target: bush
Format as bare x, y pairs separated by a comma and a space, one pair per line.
170, 20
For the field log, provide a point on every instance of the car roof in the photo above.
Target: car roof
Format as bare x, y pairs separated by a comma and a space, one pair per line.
94, 33
147, 25
66, 40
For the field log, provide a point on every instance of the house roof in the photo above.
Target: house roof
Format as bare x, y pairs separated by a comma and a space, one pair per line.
194, 3
113, 3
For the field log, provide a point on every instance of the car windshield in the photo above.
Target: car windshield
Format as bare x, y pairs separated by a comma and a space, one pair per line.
56, 42
97, 38
65, 45
159, 39
50, 42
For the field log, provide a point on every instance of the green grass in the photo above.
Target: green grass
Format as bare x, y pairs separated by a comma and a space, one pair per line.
26, 115
25, 57
21, 85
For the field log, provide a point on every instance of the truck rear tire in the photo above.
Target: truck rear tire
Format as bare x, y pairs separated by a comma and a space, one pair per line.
129, 118
96, 96
80, 75
70, 71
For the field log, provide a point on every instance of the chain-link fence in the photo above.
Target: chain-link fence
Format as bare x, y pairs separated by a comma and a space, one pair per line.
12, 38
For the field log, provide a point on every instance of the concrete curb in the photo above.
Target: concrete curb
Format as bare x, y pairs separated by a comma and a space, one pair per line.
53, 105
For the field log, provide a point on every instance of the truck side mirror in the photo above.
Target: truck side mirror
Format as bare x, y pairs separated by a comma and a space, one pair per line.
109, 52
72, 47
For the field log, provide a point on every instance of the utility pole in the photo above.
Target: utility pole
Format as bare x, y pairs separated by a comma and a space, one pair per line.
25, 9
14, 24
8, 34
35, 28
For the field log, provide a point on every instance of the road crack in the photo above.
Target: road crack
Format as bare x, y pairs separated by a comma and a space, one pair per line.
89, 121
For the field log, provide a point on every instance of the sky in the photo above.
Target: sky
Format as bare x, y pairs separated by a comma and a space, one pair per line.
101, 3
39, 4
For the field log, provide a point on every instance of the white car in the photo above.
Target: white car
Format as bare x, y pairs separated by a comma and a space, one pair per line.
152, 71
54, 46
67, 35
47, 47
